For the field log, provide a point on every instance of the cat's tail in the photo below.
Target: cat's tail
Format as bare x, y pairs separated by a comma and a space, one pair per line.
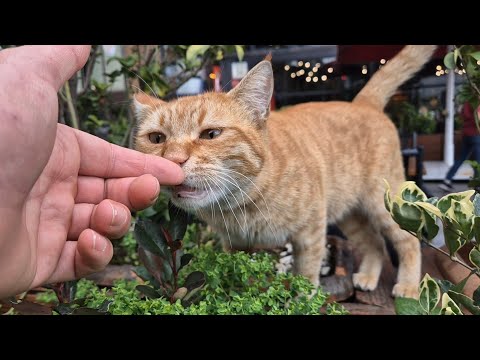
391, 76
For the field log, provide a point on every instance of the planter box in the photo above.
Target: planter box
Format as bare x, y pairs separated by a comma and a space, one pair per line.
433, 145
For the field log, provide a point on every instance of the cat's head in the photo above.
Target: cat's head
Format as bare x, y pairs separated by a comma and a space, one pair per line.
219, 139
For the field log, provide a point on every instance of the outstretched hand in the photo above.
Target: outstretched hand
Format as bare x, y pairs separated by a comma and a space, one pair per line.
63, 192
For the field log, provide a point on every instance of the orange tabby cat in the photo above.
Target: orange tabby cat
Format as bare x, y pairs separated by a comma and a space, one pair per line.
261, 178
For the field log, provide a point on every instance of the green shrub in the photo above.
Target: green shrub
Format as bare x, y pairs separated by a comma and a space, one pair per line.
235, 284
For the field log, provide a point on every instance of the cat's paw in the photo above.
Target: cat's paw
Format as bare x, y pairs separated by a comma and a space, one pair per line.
405, 290
365, 282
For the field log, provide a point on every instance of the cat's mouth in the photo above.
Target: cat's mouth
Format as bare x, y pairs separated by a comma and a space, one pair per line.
185, 191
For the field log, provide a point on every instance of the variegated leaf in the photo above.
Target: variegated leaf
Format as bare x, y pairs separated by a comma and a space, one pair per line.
407, 215
449, 307
474, 257
409, 191
445, 202
429, 294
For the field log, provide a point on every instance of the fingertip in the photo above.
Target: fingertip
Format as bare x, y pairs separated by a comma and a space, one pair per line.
143, 191
94, 252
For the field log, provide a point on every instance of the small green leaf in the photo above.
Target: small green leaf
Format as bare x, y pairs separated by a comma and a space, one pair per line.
445, 202
445, 285
476, 297
195, 50
476, 55
429, 294
474, 257
461, 285
409, 191
449, 61
456, 54
407, 215
465, 301
449, 307
408, 306
240, 52
452, 238
430, 228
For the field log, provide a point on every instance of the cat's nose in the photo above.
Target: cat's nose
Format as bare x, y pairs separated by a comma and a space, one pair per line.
179, 159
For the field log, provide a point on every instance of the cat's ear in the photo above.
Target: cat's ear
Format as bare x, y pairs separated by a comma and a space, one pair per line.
255, 90
144, 104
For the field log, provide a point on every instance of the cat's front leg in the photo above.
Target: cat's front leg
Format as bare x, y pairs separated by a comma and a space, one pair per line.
309, 250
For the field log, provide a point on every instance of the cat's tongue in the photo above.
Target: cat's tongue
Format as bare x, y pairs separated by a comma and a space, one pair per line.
186, 191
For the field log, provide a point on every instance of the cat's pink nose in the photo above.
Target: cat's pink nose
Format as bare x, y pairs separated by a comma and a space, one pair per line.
178, 159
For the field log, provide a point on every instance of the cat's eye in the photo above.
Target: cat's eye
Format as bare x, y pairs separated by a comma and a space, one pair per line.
157, 138
210, 134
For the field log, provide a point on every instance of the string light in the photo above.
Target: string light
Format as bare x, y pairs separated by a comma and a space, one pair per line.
308, 79
478, 62
287, 67
383, 61
446, 71
300, 63
330, 70
315, 69
212, 76
310, 73
439, 67
307, 65
292, 75
315, 79
437, 73
317, 65
324, 77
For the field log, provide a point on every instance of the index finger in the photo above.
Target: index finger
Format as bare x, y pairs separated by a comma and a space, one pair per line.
102, 159
53, 63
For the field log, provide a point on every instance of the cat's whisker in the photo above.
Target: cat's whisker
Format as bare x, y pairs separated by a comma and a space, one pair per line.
243, 202
256, 187
228, 202
260, 211
243, 211
224, 221
210, 197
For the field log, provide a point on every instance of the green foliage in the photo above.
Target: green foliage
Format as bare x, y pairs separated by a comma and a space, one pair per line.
46, 297
460, 217
408, 119
125, 251
235, 284
466, 58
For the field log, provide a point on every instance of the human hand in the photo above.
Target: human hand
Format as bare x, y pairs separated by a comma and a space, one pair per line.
63, 192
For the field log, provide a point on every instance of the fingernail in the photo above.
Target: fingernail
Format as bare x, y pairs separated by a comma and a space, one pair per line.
119, 216
99, 242
157, 192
